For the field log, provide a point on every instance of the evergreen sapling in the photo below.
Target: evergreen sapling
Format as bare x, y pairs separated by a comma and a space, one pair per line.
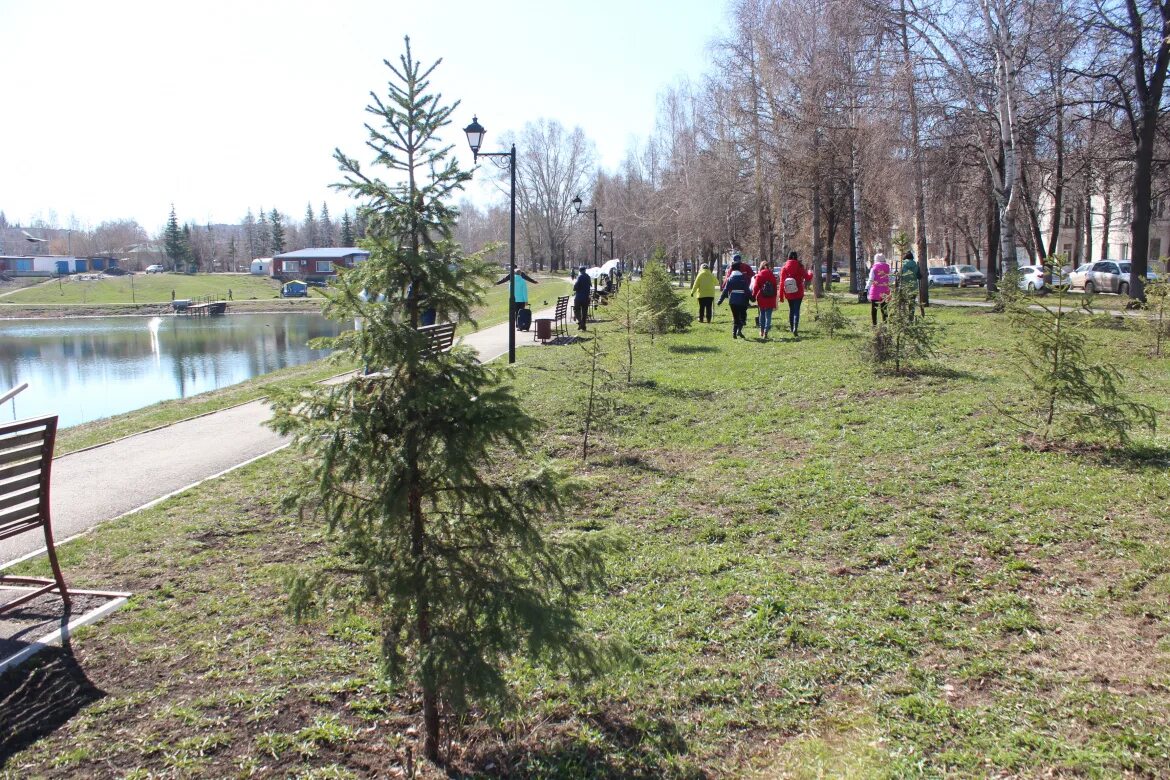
409, 465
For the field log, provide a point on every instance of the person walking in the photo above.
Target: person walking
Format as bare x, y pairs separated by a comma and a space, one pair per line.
877, 288
737, 293
908, 278
582, 291
706, 285
793, 277
764, 288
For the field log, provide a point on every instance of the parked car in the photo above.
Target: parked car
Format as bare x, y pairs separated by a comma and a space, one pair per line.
155, 269
941, 277
969, 275
1031, 278
836, 276
1123, 287
1103, 276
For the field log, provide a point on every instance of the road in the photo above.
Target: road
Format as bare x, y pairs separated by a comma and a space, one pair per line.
105, 482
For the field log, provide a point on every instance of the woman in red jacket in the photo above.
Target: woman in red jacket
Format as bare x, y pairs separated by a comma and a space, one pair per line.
793, 277
764, 288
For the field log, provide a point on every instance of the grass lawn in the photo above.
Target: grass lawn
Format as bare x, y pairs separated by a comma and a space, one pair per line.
146, 288
1101, 301
825, 573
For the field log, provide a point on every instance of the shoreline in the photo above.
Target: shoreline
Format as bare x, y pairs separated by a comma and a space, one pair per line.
72, 311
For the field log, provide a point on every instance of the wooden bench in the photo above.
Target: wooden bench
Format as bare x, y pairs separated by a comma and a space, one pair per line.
26, 460
441, 337
561, 316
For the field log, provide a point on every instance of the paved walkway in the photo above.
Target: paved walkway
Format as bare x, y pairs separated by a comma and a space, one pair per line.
124, 476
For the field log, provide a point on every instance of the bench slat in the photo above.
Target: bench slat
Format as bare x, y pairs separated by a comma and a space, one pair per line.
24, 453
21, 496
8, 472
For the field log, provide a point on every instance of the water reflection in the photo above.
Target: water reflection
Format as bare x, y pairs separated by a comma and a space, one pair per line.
85, 369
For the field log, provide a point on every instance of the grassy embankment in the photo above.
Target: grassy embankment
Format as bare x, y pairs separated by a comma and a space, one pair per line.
826, 573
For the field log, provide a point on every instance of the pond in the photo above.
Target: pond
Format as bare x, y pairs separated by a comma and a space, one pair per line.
89, 368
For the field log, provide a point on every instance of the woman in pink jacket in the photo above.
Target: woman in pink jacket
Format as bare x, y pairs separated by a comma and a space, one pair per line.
878, 287
793, 277
764, 289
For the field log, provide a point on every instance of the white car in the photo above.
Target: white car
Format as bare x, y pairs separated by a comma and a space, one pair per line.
155, 269
1031, 277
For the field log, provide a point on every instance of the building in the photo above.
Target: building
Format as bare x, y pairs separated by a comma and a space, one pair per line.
315, 264
1100, 229
54, 265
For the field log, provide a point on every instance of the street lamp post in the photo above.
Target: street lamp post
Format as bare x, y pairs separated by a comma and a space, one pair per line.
596, 226
607, 234
475, 134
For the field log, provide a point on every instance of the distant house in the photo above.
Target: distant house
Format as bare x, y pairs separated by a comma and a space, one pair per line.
315, 264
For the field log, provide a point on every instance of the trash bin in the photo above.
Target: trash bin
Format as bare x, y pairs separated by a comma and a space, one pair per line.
543, 329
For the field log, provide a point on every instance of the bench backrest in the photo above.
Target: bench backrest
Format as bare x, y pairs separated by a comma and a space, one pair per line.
26, 459
562, 306
441, 337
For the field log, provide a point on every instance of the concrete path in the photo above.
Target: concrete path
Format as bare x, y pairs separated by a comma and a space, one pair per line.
124, 476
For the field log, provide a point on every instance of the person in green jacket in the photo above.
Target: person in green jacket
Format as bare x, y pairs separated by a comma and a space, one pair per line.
908, 279
706, 285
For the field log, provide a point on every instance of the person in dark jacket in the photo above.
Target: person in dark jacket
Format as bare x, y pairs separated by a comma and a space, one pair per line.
582, 290
737, 293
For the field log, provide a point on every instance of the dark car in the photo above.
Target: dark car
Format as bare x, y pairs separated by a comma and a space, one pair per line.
836, 277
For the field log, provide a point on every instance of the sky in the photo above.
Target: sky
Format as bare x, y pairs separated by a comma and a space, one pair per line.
117, 109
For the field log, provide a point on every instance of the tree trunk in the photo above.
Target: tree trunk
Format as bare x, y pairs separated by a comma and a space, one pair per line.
992, 245
916, 152
816, 239
1106, 214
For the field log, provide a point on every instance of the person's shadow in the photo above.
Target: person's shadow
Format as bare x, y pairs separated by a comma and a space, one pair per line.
39, 697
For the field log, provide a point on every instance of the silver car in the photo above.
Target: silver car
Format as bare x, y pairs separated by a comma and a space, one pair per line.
1101, 276
969, 275
941, 277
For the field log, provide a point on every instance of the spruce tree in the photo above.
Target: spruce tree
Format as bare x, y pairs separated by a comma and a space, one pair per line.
263, 235
346, 230
325, 234
174, 242
310, 235
410, 465
661, 310
277, 220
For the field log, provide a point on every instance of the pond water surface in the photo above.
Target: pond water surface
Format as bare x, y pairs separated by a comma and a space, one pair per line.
89, 368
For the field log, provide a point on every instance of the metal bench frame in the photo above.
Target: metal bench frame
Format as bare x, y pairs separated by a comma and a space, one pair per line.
26, 461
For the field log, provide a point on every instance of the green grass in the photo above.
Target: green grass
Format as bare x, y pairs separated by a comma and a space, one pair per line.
827, 572
1101, 301
146, 288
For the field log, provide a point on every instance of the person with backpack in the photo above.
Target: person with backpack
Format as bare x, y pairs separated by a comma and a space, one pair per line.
877, 288
793, 277
764, 289
582, 293
737, 293
705, 285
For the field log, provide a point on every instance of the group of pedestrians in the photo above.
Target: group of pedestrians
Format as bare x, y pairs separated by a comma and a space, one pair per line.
766, 288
